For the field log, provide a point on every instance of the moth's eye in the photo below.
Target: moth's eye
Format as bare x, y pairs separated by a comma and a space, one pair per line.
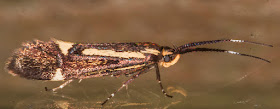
167, 58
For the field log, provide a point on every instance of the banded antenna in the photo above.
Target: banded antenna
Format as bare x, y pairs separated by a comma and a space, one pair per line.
190, 47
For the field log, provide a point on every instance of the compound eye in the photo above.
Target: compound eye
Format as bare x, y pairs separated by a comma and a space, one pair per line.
167, 58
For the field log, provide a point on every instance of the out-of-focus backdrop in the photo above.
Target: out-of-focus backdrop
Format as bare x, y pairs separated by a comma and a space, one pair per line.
197, 81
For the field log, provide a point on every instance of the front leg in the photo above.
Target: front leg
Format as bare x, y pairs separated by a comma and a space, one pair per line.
159, 81
126, 83
60, 87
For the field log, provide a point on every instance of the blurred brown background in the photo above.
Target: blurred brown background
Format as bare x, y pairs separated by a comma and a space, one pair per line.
197, 81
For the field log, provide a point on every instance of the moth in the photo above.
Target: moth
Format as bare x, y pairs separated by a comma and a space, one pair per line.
57, 60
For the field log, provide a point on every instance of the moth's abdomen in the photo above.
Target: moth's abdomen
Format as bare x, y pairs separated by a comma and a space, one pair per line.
34, 61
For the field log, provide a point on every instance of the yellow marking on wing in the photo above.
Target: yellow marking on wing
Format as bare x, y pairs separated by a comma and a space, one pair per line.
113, 53
105, 61
58, 75
63, 45
151, 51
130, 67
98, 72
91, 73
124, 68
94, 62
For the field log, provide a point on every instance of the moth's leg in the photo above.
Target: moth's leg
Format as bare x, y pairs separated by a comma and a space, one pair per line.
61, 86
125, 84
159, 82
80, 80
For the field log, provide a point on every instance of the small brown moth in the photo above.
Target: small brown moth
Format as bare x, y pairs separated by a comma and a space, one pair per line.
58, 60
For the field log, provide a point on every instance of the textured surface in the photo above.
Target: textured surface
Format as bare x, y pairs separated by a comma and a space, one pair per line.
41, 60
35, 60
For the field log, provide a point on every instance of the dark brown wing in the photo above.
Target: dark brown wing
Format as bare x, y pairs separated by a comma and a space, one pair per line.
96, 60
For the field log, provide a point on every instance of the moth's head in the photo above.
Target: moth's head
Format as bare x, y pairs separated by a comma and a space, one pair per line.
33, 61
169, 57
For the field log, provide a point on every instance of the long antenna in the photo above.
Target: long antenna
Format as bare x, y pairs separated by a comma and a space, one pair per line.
219, 50
219, 41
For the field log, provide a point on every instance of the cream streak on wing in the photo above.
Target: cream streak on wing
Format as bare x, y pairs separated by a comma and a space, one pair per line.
130, 67
64, 46
112, 53
151, 51
58, 75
